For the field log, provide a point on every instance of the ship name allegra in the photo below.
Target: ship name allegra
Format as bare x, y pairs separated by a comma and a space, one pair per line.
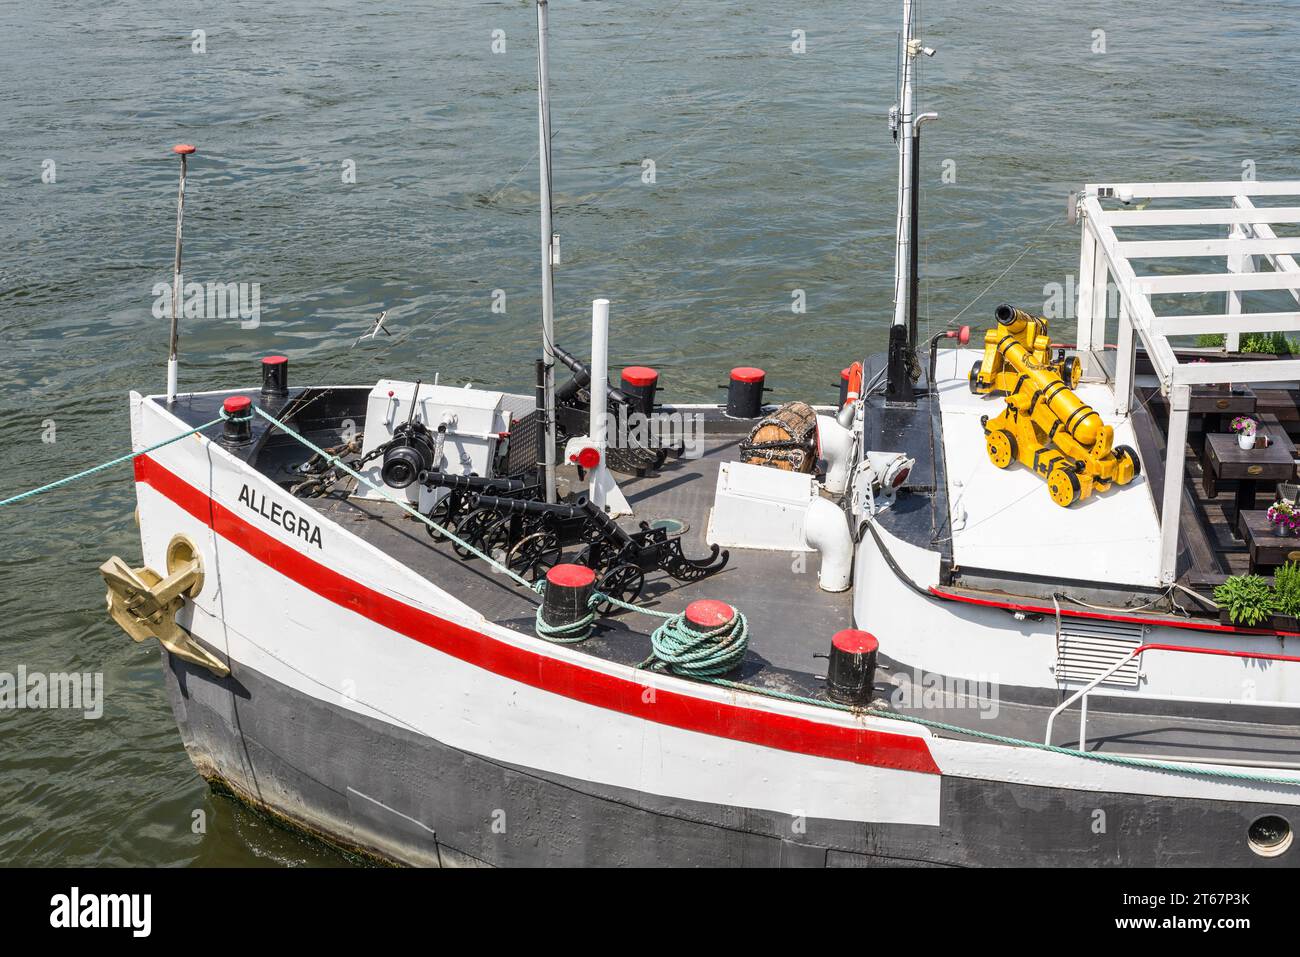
277, 514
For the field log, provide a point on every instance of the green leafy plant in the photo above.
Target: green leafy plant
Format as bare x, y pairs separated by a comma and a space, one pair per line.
1264, 343
1248, 599
1286, 590
1267, 343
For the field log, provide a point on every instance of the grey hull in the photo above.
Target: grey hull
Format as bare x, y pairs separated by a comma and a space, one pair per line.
387, 792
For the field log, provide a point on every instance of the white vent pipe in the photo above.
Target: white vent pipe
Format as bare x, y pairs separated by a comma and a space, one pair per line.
826, 530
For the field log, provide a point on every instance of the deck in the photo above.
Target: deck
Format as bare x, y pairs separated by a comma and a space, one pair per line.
790, 619
1011, 524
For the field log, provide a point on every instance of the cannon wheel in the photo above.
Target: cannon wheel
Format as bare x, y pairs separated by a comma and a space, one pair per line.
1001, 446
440, 513
623, 582
1063, 486
1071, 372
534, 555
974, 378
1125, 451
471, 530
495, 540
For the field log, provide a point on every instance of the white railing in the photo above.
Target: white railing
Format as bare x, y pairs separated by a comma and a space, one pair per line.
1105, 259
1137, 652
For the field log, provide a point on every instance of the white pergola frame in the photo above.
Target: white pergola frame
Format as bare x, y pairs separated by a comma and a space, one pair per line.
1104, 258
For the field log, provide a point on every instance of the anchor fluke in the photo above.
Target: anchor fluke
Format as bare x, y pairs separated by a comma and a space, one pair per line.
144, 604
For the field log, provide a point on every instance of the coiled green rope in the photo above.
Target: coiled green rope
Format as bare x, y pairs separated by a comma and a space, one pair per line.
106, 465
699, 654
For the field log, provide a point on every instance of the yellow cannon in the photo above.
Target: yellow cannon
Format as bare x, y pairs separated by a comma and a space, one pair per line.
1045, 425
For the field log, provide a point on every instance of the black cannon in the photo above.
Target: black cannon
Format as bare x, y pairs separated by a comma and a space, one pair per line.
531, 535
455, 510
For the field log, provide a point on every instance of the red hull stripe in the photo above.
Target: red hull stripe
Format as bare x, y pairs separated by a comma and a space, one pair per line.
1103, 616
753, 726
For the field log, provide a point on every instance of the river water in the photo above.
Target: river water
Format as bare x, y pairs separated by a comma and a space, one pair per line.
359, 157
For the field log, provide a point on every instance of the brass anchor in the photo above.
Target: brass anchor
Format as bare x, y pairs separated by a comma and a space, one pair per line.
144, 604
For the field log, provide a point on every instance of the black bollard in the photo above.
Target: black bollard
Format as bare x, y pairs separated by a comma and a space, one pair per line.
707, 614
568, 589
639, 384
275, 377
238, 429
852, 672
745, 393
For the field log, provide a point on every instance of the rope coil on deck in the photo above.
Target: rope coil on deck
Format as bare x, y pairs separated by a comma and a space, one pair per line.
693, 653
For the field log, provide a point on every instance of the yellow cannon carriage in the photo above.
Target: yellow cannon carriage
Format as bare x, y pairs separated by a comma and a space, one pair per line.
1045, 425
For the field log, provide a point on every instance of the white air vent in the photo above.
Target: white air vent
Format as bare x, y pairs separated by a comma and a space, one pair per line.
1090, 647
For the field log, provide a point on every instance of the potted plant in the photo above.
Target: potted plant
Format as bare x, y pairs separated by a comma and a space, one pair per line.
1245, 599
1286, 595
1284, 517
1251, 601
1245, 427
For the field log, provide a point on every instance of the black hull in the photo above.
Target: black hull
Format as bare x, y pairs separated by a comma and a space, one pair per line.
389, 793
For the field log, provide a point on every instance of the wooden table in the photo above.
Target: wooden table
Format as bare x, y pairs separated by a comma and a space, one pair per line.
1226, 461
1267, 549
1214, 404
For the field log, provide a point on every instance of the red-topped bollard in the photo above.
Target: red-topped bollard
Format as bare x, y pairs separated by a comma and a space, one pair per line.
852, 672
275, 377
238, 429
844, 386
567, 596
745, 392
708, 614
710, 640
639, 384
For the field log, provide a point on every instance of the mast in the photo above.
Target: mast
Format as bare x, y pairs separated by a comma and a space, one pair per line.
183, 150
548, 289
906, 126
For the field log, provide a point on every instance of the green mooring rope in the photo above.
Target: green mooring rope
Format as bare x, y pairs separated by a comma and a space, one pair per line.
705, 663
106, 465
699, 654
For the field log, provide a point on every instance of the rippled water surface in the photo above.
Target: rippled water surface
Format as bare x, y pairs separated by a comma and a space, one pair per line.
774, 172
